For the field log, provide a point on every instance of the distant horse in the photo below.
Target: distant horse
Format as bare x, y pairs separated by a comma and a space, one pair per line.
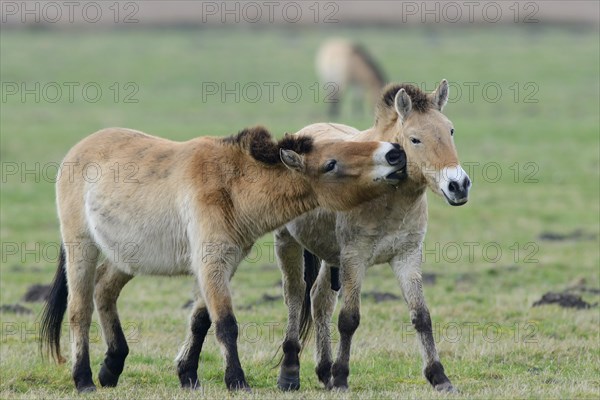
343, 64
389, 229
195, 207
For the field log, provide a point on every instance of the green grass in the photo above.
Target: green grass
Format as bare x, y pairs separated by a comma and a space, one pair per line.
544, 352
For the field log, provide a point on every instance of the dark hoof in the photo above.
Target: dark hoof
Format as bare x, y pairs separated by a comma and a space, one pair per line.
189, 380
289, 382
189, 385
340, 388
86, 389
340, 376
445, 387
437, 378
239, 386
107, 378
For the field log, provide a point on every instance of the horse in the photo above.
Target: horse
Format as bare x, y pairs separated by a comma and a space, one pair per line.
342, 64
193, 207
389, 229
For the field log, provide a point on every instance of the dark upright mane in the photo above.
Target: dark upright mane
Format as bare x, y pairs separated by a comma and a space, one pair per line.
420, 100
260, 144
370, 61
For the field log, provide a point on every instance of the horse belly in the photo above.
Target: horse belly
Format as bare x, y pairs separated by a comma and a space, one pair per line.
315, 231
143, 242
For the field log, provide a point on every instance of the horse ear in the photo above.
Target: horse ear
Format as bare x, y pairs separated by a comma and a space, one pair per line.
291, 159
440, 95
402, 104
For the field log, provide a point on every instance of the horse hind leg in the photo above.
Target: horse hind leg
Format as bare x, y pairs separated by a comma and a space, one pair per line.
412, 290
323, 301
189, 354
109, 283
81, 259
214, 273
289, 259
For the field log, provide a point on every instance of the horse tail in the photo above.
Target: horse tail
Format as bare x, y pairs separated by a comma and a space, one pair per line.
311, 271
54, 311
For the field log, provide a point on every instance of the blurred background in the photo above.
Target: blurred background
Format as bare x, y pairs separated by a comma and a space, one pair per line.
524, 100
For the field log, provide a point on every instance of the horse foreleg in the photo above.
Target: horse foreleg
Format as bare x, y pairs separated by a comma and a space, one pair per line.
213, 276
408, 272
323, 301
289, 259
109, 283
189, 354
352, 274
81, 258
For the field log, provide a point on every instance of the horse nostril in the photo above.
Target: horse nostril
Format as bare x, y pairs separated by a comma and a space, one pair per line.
467, 183
396, 146
394, 156
453, 187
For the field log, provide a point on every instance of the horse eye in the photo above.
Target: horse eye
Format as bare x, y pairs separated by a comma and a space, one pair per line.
330, 166
452, 132
415, 140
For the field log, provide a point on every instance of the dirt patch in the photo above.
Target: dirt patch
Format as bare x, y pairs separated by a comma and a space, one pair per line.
15, 309
566, 300
380, 296
576, 235
429, 278
36, 293
266, 298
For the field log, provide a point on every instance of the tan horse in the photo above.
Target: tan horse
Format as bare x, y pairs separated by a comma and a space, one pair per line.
390, 229
195, 207
342, 64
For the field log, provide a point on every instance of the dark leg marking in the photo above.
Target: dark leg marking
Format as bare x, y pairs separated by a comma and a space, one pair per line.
347, 324
289, 376
187, 368
227, 333
434, 372
82, 373
422, 321
114, 359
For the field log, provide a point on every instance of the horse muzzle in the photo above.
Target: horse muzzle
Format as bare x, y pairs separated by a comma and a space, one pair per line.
396, 158
455, 186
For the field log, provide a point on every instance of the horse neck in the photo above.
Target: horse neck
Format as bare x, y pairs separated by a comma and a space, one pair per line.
276, 197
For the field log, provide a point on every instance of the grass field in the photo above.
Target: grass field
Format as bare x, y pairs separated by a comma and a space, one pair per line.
541, 134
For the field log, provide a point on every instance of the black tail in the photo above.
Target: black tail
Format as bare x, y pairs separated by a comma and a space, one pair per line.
312, 264
54, 311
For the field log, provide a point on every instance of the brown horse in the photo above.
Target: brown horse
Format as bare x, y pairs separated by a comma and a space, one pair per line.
195, 207
342, 65
389, 229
